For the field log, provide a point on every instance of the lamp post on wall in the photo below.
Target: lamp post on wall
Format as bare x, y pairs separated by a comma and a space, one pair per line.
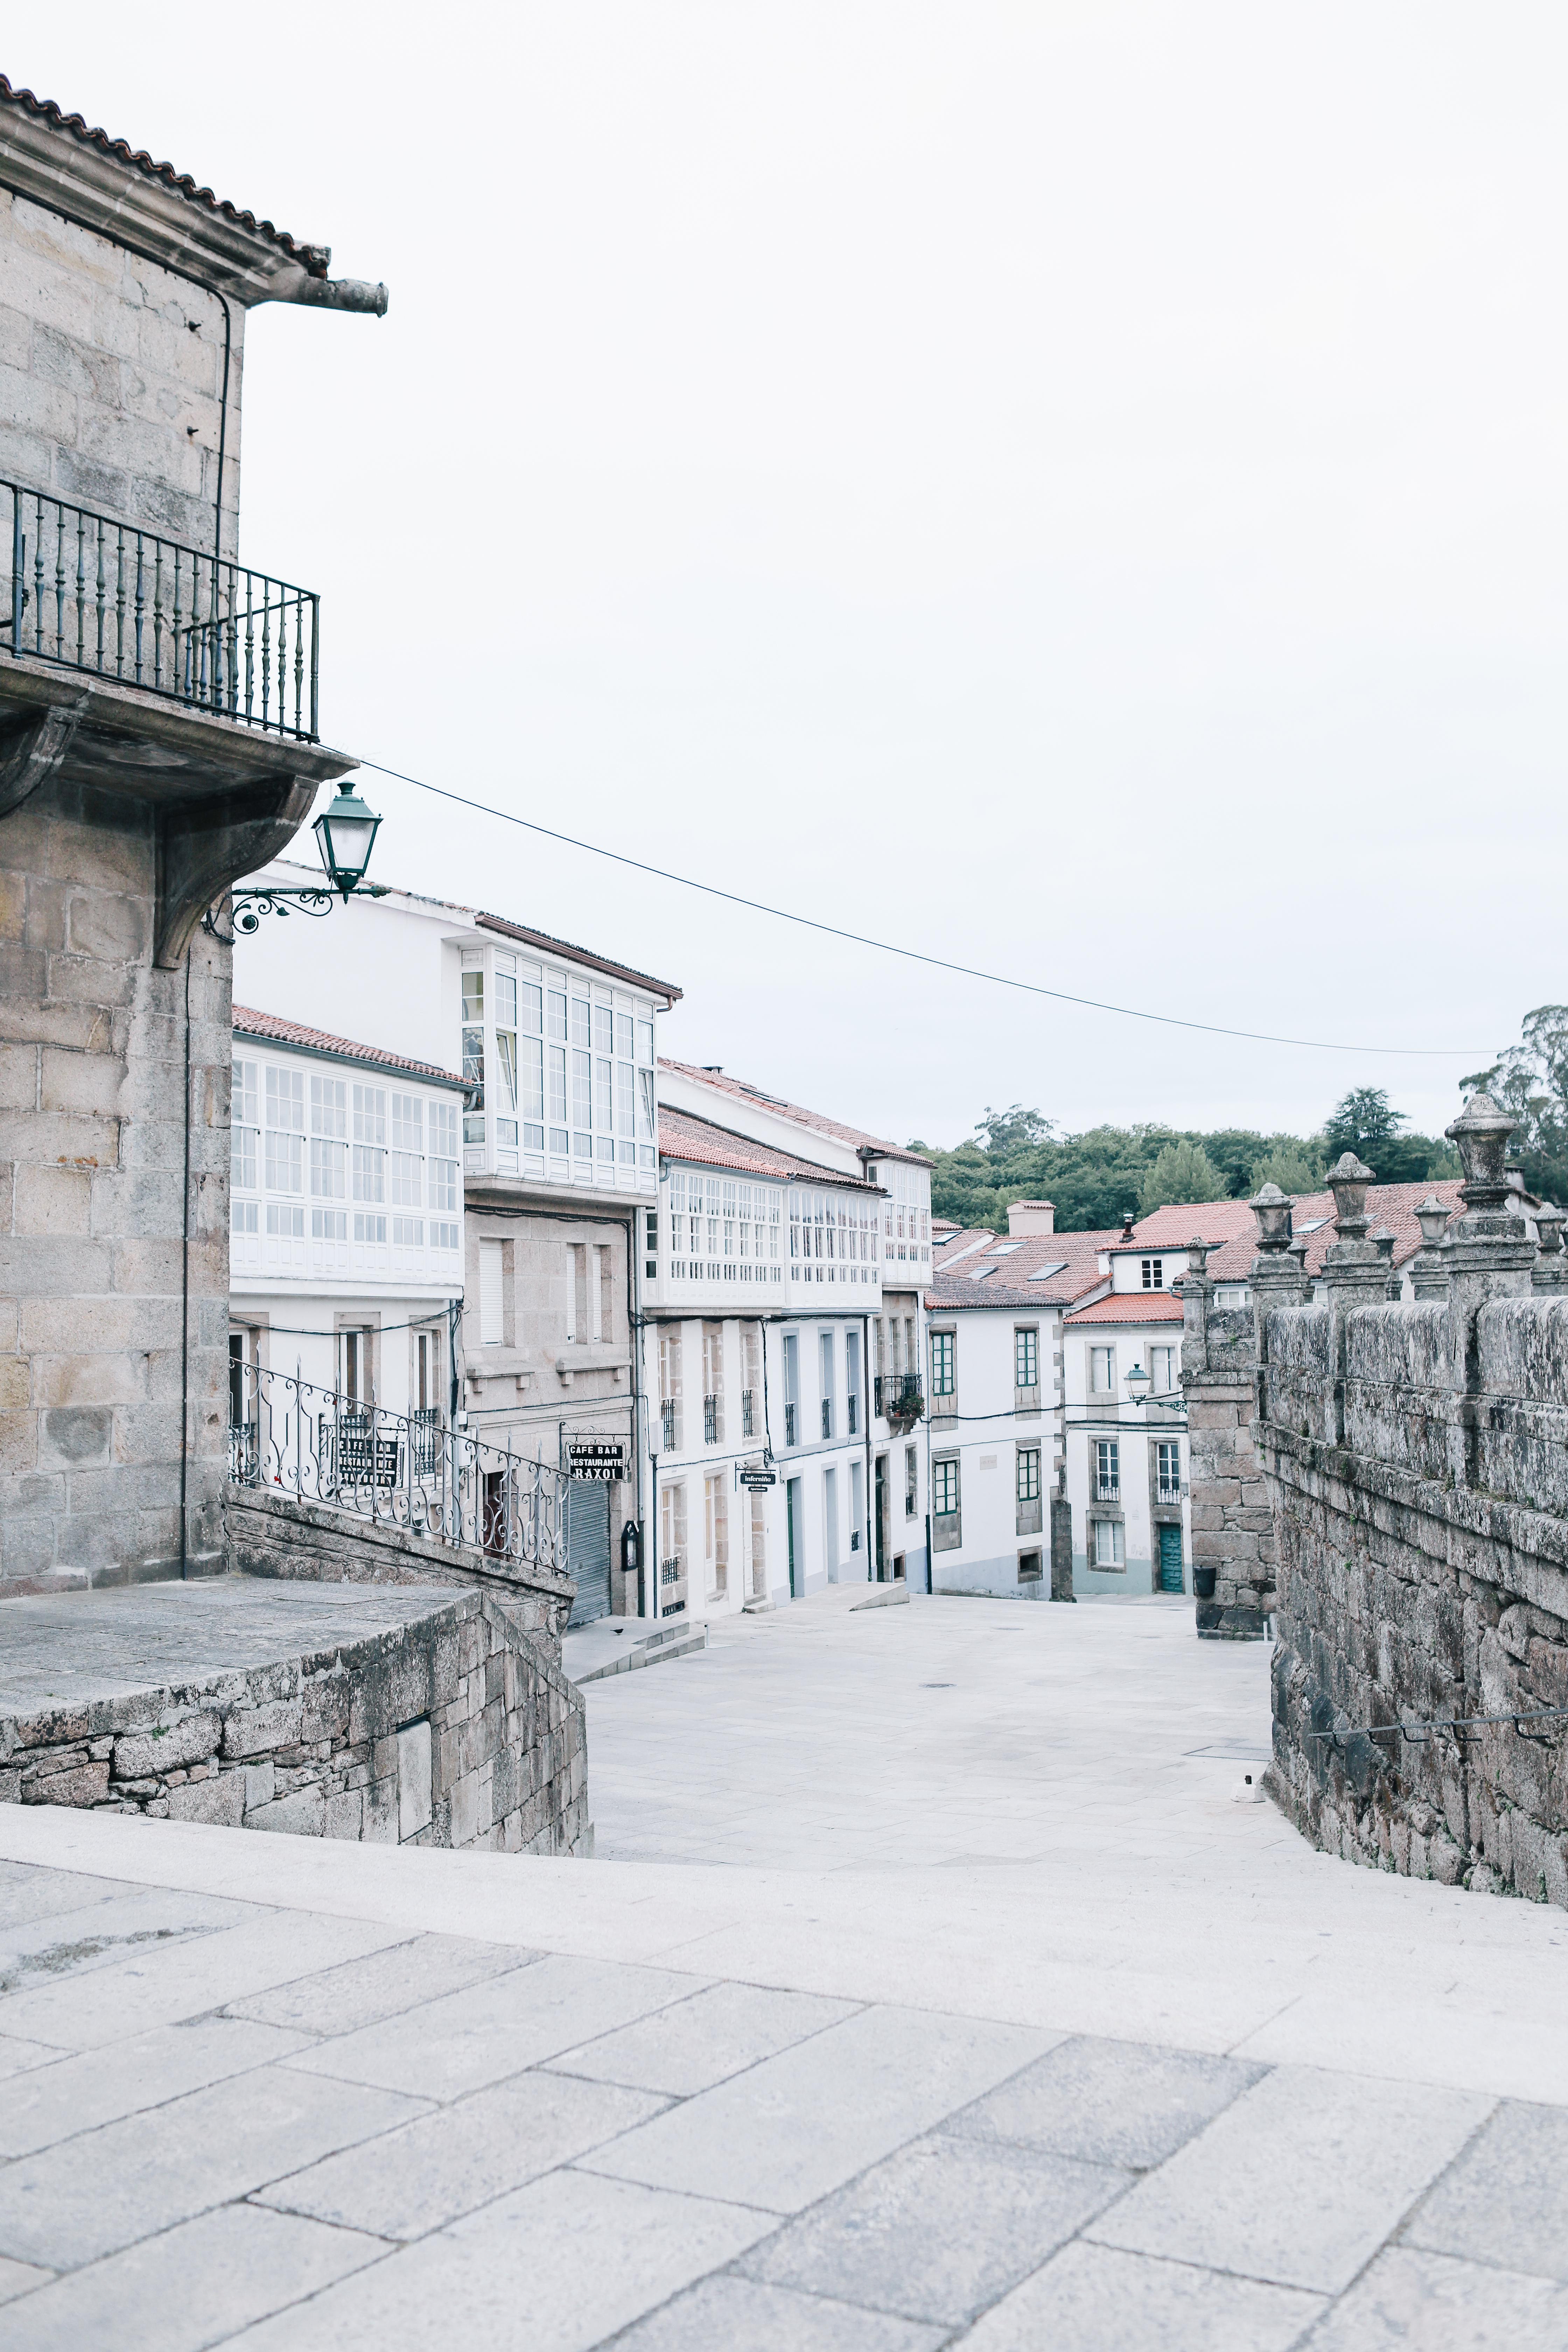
345, 834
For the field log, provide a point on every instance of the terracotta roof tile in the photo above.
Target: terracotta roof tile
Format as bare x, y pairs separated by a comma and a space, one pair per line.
545, 945
1016, 1259
1232, 1226
743, 1093
248, 1022
684, 1136
1131, 1307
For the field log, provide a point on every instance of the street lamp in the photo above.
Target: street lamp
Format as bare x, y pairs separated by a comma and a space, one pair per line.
1137, 1383
345, 834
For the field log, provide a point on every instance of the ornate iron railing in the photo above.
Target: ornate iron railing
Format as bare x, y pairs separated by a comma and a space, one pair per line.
293, 1438
113, 599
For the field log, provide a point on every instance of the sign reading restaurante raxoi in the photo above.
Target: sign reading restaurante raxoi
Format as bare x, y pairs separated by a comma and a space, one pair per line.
602, 1458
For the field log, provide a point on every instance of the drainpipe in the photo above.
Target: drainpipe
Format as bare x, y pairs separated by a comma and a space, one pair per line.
868, 1398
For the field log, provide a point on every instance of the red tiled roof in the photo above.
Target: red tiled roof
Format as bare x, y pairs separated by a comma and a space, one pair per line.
545, 945
1231, 1224
684, 1136
1077, 1255
314, 258
251, 1023
1129, 1306
813, 1118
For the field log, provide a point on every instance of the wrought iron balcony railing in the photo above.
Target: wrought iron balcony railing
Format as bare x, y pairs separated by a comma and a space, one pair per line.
792, 1422
712, 1421
827, 1416
903, 1401
669, 1414
748, 1417
115, 601
292, 1438
852, 1414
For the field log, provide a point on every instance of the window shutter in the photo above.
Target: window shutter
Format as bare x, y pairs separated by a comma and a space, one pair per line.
491, 1322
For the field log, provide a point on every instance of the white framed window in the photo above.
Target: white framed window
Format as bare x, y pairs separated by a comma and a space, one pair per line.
446, 1237
1102, 1371
329, 1105
943, 1348
474, 1053
1165, 1370
369, 1228
1027, 1357
716, 1533
329, 1224
286, 1221
409, 1233
1110, 1544
329, 1169
444, 1170
285, 1156
243, 1216
1154, 1271
491, 1300
1028, 1473
1107, 1470
244, 1117
1168, 1469
944, 1487
1231, 1293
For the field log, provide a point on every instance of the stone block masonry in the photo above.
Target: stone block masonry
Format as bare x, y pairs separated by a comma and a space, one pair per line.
1416, 1475
103, 1282
421, 1717
1233, 1535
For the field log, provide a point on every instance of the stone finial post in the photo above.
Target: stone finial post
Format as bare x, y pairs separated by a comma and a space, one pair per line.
1488, 1252
1353, 1267
1195, 1289
1354, 1273
1381, 1241
1427, 1274
1276, 1274
1550, 1271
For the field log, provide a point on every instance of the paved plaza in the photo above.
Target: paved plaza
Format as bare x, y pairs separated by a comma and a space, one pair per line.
937, 1982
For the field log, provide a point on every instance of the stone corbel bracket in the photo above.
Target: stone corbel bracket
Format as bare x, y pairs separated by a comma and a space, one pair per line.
204, 844
30, 753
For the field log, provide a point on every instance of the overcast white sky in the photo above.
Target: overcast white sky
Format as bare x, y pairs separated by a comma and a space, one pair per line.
1080, 490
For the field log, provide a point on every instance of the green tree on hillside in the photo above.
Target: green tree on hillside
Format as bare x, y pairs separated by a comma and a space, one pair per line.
1530, 1079
1181, 1172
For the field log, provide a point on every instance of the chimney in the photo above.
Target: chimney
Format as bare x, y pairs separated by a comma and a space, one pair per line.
1031, 1217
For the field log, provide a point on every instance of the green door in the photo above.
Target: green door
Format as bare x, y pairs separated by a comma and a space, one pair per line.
1170, 1559
792, 1517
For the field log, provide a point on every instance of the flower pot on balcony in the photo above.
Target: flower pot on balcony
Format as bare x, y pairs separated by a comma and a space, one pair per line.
1203, 1582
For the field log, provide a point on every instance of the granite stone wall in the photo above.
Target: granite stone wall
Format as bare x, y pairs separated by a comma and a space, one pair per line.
287, 1537
454, 1727
98, 1284
1415, 1460
111, 378
1422, 1507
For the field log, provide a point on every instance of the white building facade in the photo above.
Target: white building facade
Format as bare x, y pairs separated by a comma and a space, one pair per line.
1127, 1426
346, 1237
869, 1281
556, 1048
757, 1432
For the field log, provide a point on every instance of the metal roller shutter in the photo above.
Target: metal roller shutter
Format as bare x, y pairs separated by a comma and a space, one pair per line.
589, 1549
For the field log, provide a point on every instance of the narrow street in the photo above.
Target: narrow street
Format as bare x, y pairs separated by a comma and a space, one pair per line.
951, 1997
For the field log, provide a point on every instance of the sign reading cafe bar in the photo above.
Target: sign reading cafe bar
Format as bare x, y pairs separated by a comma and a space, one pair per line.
601, 1459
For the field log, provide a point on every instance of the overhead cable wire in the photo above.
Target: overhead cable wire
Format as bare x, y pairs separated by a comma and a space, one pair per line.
917, 955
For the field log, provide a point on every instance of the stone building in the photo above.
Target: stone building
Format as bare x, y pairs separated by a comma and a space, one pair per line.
158, 736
